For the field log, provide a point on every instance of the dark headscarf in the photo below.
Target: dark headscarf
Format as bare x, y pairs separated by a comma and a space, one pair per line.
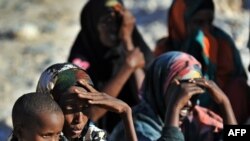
105, 62
88, 46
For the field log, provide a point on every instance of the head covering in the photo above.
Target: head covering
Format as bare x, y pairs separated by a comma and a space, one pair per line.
161, 73
103, 63
57, 79
181, 12
88, 45
212, 48
167, 67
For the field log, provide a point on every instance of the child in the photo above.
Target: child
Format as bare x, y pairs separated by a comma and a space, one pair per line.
71, 87
36, 117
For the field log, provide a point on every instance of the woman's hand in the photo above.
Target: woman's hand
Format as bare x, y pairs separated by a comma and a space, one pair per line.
111, 104
135, 59
220, 98
178, 98
217, 94
101, 99
128, 23
179, 93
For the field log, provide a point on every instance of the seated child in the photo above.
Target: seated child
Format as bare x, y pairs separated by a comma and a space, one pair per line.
72, 88
36, 117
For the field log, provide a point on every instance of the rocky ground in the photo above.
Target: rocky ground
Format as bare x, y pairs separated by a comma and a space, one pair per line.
37, 33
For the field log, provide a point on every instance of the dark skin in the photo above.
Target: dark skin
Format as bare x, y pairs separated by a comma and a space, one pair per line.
79, 100
105, 101
134, 61
183, 93
46, 126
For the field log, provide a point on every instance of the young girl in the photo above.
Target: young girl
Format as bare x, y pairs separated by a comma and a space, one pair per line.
71, 87
36, 117
170, 87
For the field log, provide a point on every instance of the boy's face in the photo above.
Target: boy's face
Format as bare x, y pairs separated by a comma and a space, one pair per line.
75, 110
47, 127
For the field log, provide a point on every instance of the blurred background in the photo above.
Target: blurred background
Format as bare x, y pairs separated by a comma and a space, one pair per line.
37, 33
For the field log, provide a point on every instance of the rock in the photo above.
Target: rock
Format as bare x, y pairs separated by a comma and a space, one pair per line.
28, 31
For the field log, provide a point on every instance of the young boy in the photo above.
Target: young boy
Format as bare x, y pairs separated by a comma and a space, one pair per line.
36, 117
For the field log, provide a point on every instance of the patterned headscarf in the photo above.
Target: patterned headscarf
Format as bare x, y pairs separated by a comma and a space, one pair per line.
167, 67
162, 72
57, 78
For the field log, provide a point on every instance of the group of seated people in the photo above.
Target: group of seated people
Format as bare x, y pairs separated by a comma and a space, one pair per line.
113, 87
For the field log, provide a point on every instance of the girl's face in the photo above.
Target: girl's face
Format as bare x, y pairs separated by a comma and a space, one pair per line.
108, 29
46, 127
75, 110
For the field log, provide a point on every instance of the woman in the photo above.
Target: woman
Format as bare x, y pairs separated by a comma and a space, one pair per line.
112, 51
191, 30
71, 87
169, 90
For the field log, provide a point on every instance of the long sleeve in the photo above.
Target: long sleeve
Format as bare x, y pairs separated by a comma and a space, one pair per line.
170, 133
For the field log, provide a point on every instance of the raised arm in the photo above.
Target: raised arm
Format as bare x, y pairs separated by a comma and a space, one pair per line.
102, 100
220, 98
133, 63
178, 96
127, 28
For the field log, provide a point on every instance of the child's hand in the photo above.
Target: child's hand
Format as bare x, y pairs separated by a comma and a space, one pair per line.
101, 99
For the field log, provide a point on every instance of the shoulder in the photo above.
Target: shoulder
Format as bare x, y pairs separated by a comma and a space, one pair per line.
222, 35
147, 123
147, 127
95, 133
